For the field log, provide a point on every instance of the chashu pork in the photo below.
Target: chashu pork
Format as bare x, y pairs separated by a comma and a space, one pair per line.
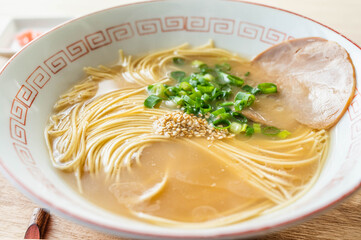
315, 79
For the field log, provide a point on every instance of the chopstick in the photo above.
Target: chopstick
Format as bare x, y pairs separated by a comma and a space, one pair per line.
37, 224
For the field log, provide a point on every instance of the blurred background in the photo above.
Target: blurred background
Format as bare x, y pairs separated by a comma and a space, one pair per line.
342, 15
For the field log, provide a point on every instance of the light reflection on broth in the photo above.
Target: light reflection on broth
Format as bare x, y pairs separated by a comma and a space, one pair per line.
177, 182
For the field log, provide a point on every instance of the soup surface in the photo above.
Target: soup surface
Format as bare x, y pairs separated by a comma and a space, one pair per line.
101, 133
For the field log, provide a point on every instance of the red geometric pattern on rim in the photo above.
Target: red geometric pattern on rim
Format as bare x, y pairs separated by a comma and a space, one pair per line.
24, 154
57, 62
354, 110
26, 96
76, 50
19, 111
148, 26
176, 23
97, 40
17, 132
273, 36
120, 32
250, 30
38, 78
222, 25
356, 129
197, 24
290, 38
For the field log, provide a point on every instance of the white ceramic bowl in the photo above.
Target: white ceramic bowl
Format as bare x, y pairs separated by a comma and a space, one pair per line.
32, 81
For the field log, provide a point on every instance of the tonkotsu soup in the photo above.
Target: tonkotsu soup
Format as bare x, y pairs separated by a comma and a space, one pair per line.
172, 138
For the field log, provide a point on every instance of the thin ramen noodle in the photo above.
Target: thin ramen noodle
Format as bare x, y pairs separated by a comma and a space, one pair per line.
101, 131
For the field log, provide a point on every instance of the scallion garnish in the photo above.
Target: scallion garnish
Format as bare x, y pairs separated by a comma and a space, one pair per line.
226, 104
257, 127
238, 117
283, 134
224, 67
243, 100
197, 63
267, 88
178, 75
185, 86
251, 90
208, 77
221, 123
270, 131
249, 131
237, 128
226, 78
178, 61
218, 111
152, 101
208, 91
205, 89
157, 89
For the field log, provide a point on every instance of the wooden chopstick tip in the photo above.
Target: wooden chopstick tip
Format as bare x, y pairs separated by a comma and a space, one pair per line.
37, 224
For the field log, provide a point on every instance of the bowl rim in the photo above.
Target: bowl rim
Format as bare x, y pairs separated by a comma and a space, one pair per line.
118, 230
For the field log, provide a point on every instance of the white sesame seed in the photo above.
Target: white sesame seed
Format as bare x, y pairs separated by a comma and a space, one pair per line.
178, 124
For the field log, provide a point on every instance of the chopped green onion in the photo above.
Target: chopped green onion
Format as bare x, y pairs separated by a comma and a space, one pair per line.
205, 108
236, 80
178, 100
239, 117
208, 77
226, 104
157, 89
205, 89
171, 104
188, 100
178, 75
197, 63
236, 128
196, 95
171, 91
283, 134
185, 86
244, 127
249, 131
183, 93
267, 87
224, 67
247, 74
205, 97
178, 61
218, 111
204, 68
257, 127
152, 101
251, 90
231, 79
246, 99
221, 124
270, 131
238, 106
224, 116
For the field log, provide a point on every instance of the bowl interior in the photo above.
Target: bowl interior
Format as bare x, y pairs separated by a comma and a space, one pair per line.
33, 80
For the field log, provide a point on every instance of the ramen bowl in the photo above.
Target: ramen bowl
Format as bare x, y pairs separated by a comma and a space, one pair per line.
33, 79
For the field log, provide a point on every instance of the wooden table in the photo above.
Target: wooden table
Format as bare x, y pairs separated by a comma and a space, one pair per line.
342, 222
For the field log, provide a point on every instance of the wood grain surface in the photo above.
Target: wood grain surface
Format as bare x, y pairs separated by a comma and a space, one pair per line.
341, 222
